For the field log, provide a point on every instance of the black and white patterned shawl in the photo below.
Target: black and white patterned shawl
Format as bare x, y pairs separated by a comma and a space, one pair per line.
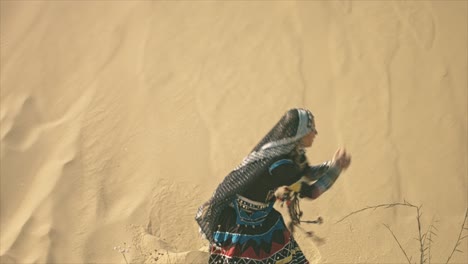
283, 138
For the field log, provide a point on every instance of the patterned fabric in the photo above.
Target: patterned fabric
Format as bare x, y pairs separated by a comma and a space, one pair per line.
326, 182
253, 232
282, 139
314, 173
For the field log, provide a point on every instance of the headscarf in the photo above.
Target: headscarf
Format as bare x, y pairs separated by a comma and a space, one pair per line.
283, 138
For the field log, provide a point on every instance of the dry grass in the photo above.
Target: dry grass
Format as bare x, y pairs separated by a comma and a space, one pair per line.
425, 240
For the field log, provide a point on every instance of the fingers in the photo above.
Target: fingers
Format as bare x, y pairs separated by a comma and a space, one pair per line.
346, 162
337, 155
341, 158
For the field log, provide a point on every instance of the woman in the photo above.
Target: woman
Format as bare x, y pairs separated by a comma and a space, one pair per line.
239, 220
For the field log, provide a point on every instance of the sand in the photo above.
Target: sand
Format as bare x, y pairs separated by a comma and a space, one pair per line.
119, 118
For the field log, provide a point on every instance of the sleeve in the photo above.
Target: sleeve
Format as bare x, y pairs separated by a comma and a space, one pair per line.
284, 172
321, 185
313, 173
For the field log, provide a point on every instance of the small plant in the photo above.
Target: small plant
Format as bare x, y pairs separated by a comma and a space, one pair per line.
460, 238
123, 250
425, 240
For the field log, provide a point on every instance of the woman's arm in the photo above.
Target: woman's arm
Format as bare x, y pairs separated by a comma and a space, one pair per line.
284, 172
321, 185
341, 161
313, 173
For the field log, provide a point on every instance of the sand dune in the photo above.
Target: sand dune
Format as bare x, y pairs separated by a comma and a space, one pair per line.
118, 119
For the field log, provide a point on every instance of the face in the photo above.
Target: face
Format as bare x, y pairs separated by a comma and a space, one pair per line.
308, 139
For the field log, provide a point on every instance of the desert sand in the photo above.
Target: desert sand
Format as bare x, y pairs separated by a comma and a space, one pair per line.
119, 118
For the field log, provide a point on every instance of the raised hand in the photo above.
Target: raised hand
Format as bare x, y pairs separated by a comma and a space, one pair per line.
341, 159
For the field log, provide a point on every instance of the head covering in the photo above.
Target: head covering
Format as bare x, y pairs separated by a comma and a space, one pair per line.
283, 138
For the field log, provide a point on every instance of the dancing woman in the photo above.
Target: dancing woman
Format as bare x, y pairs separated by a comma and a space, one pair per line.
239, 220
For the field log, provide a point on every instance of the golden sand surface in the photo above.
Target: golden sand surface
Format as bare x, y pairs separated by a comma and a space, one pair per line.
119, 118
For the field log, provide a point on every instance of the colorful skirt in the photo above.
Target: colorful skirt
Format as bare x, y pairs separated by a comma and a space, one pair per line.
253, 232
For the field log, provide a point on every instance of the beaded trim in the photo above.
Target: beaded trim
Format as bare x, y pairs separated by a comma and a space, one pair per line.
251, 213
248, 204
